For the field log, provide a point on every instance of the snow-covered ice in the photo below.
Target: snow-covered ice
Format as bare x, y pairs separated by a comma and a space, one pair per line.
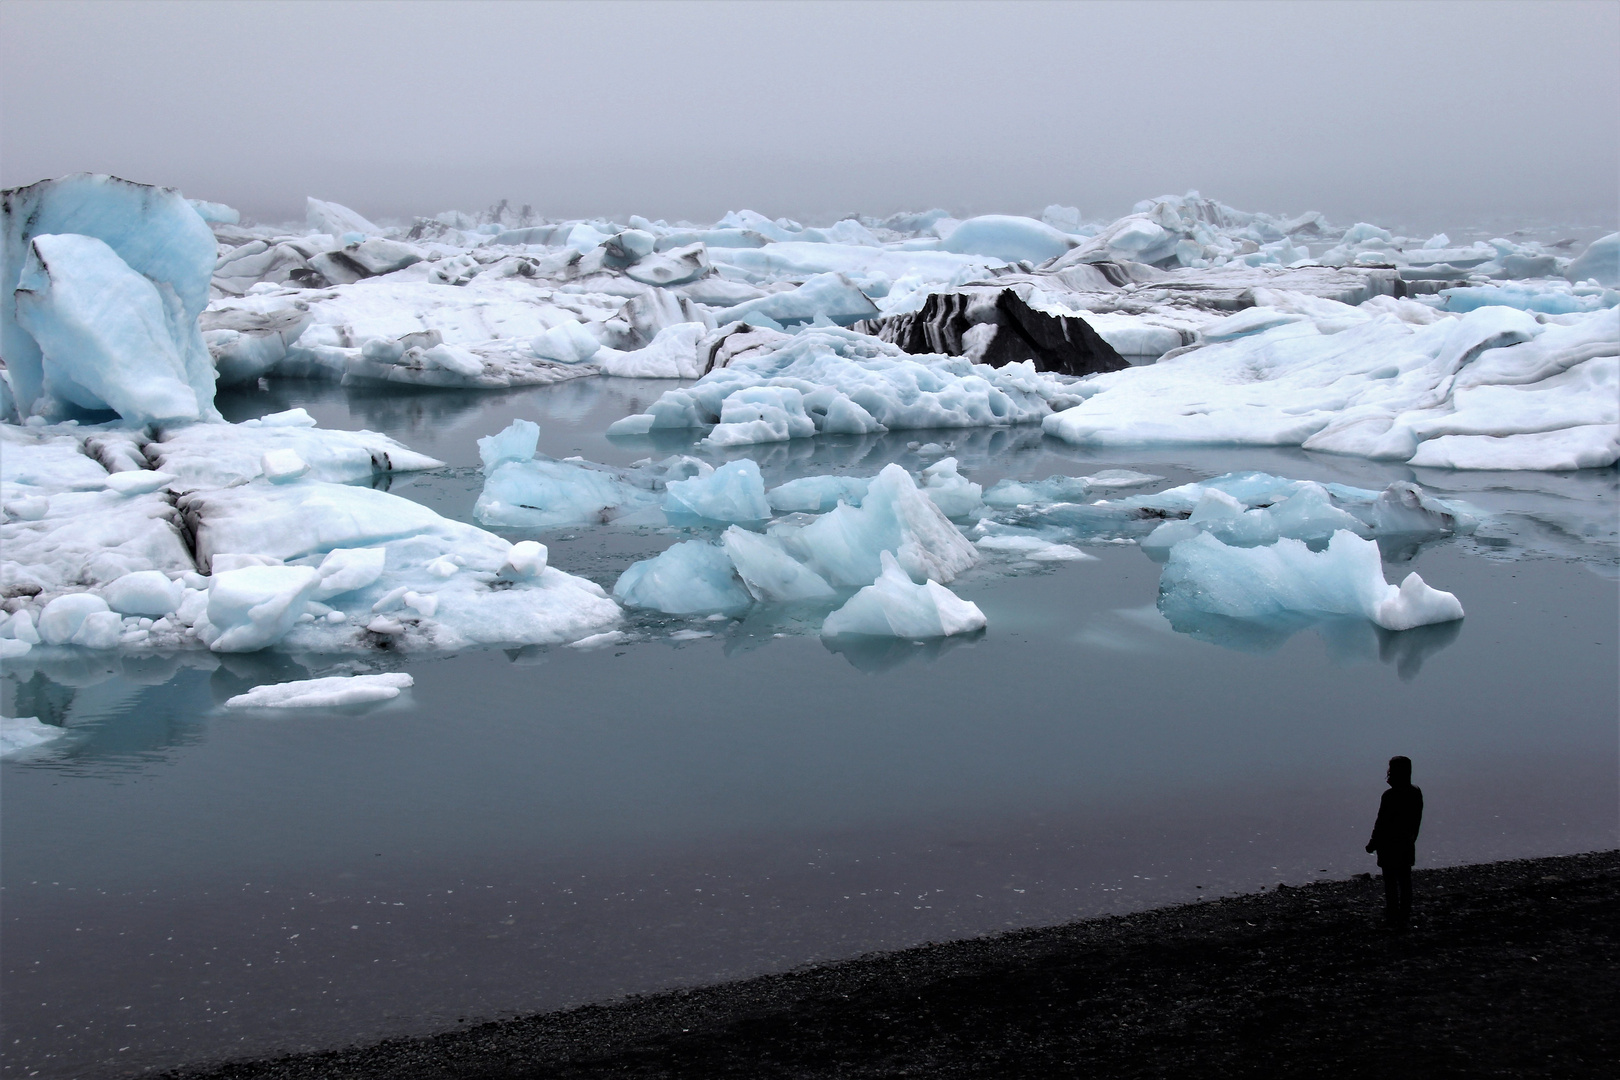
329, 693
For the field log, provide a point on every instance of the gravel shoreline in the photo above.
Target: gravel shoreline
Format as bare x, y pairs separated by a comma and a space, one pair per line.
1510, 969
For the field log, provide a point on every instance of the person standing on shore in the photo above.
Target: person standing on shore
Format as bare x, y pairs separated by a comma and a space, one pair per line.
1394, 838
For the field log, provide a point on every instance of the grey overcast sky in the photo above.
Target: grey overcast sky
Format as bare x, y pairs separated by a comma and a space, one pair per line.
1423, 112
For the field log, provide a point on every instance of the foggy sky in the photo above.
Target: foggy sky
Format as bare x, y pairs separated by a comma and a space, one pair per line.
1396, 113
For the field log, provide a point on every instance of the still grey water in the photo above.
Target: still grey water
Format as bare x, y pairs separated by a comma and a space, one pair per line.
529, 829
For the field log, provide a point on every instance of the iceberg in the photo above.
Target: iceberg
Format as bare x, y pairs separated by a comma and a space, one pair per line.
735, 492
1493, 388
335, 219
846, 545
894, 606
672, 354
329, 693
692, 577
853, 383
1288, 579
770, 574
1600, 262
254, 606
21, 734
104, 281
1010, 238
816, 494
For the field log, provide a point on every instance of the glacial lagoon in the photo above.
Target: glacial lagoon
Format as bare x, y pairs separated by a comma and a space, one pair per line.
533, 828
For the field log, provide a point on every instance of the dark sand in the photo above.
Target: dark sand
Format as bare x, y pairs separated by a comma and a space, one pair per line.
1510, 969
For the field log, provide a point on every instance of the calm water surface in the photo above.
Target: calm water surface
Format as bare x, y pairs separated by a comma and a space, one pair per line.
528, 829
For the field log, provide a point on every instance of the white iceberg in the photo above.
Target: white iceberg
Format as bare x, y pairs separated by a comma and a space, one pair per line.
21, 734
895, 606
328, 693
852, 383
1494, 388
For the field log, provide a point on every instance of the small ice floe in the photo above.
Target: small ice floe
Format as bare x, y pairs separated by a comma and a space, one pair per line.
324, 693
19, 734
895, 606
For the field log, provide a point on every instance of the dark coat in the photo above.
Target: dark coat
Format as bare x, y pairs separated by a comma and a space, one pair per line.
1394, 837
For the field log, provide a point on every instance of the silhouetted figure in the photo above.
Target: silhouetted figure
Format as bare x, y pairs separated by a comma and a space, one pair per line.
1394, 838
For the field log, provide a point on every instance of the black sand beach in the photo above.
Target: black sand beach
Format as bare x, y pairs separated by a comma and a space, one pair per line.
1509, 969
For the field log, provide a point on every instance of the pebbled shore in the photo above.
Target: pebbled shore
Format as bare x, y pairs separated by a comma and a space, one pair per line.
1510, 969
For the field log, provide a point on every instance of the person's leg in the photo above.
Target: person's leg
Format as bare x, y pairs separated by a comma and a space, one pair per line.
1404, 888
1392, 899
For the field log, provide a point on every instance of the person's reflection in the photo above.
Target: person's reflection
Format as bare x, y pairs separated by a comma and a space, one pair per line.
1394, 838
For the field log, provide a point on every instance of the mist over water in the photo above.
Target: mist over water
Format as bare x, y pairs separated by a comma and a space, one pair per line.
1423, 116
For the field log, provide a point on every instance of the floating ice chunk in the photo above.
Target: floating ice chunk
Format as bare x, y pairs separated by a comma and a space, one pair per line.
816, 494
1157, 544
1382, 388
1120, 478
144, 592
672, 354
282, 466
1063, 218
690, 578
893, 389
1008, 237
153, 231
735, 492
335, 219
567, 343
831, 296
599, 641
762, 414
20, 734
769, 572
107, 337
676, 266
20, 627
216, 213
347, 569
954, 494
526, 560
12, 648
844, 546
255, 606
1031, 547
542, 493
1288, 579
65, 619
894, 606
216, 455
1600, 262
515, 442
1403, 508
1309, 514
1010, 493
295, 520
329, 693
1224, 517
457, 361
